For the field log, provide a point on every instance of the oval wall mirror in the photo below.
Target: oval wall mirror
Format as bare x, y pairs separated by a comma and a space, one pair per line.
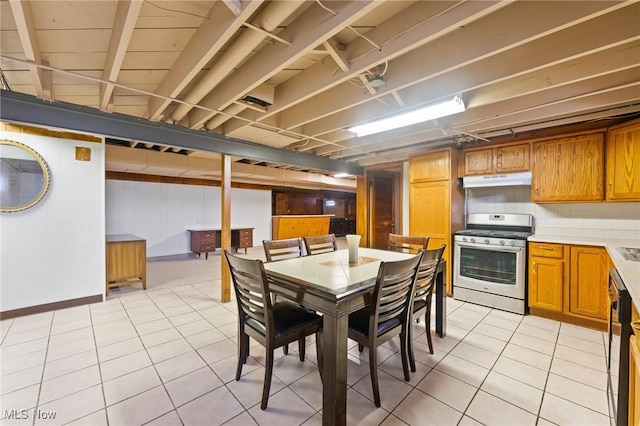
24, 176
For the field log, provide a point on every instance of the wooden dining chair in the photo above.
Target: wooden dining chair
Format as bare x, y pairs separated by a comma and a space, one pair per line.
407, 243
282, 249
271, 324
423, 294
320, 244
388, 315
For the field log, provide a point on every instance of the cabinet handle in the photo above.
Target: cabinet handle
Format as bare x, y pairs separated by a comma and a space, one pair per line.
610, 187
545, 248
534, 268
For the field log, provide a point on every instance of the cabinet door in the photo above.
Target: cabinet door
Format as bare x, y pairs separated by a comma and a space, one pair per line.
588, 280
430, 167
569, 169
512, 158
546, 283
634, 381
478, 162
623, 164
429, 214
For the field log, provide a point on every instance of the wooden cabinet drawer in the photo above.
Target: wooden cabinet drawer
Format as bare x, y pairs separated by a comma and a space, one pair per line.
546, 250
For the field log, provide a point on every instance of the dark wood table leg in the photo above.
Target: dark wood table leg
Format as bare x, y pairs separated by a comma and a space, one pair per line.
441, 302
334, 374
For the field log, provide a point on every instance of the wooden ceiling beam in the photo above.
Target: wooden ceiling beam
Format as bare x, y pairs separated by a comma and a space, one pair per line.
306, 33
23, 17
456, 51
123, 26
208, 40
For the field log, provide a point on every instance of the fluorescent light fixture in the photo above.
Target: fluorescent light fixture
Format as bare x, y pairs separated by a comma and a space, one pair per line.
341, 175
452, 106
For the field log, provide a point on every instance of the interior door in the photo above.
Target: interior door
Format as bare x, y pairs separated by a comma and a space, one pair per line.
383, 212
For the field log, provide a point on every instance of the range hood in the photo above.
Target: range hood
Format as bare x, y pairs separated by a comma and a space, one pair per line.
509, 179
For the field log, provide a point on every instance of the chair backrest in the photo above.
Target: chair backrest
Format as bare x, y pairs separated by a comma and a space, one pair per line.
252, 291
320, 244
393, 293
407, 244
427, 271
282, 249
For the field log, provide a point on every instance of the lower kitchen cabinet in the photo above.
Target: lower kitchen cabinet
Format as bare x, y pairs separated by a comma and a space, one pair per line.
569, 283
588, 278
634, 381
546, 276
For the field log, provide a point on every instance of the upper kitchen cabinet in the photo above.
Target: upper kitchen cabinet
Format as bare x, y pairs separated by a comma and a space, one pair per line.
497, 160
568, 169
433, 167
623, 163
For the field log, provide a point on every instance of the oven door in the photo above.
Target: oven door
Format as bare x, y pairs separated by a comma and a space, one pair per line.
490, 269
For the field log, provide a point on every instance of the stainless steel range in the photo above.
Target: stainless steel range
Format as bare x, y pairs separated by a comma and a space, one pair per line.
490, 258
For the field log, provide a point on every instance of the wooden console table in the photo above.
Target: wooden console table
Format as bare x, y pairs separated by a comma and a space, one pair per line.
126, 260
207, 240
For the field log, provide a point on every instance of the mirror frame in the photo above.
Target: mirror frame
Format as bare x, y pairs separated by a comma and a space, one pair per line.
46, 175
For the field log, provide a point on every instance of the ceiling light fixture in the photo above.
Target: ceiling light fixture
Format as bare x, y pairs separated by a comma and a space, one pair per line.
341, 175
441, 109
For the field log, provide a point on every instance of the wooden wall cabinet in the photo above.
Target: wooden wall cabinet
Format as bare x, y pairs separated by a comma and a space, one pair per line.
569, 283
547, 272
503, 159
436, 201
568, 169
623, 163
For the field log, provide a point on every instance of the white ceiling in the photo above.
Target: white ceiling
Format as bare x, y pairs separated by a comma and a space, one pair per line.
518, 66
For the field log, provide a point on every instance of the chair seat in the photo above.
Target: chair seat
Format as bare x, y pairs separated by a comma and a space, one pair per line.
359, 322
288, 318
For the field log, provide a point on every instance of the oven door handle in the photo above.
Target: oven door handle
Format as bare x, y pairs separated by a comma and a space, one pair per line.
491, 248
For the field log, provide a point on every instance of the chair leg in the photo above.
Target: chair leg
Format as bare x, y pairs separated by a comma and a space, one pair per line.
360, 347
403, 352
373, 369
268, 371
302, 346
243, 345
412, 360
285, 349
427, 322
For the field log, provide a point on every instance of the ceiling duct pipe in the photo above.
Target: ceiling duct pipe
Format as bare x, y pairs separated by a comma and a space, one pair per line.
272, 16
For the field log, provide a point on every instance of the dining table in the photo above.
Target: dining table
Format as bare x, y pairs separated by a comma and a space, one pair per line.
328, 283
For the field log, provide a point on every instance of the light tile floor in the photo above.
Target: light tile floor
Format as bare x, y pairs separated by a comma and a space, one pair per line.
167, 356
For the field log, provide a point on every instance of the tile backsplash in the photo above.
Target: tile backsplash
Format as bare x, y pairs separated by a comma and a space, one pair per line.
618, 219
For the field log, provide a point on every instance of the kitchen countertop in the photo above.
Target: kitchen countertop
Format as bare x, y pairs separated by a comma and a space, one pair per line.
629, 270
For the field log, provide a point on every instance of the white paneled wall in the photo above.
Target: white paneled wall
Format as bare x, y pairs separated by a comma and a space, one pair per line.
618, 219
161, 213
54, 251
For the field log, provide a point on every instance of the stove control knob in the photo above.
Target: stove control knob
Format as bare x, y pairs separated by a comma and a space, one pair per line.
501, 242
464, 239
486, 241
512, 243
473, 240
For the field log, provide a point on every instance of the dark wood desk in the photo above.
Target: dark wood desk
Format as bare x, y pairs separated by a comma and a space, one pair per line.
327, 283
207, 240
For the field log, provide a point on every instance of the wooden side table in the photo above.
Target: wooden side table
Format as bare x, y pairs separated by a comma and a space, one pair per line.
126, 260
